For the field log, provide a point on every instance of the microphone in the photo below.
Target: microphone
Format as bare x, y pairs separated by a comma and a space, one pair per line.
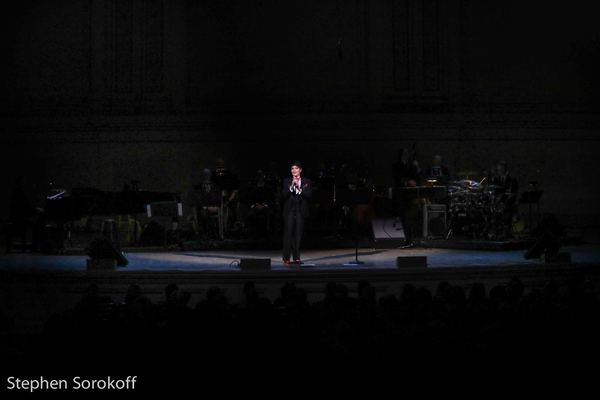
295, 184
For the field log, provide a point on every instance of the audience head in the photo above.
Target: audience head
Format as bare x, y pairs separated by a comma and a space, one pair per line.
477, 292
134, 292
171, 291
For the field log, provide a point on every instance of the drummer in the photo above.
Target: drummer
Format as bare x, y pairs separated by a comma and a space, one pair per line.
503, 181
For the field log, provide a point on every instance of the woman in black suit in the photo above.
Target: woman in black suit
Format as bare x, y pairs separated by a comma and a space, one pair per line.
296, 193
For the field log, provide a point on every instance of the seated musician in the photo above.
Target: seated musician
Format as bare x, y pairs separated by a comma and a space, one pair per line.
260, 198
504, 181
506, 190
207, 202
438, 171
227, 182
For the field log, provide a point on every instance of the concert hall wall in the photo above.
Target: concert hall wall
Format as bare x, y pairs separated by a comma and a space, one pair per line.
100, 92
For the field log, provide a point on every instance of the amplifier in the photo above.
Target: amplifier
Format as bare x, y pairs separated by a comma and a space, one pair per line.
255, 264
411, 262
434, 220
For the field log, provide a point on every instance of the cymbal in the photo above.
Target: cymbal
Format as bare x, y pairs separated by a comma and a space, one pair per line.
468, 183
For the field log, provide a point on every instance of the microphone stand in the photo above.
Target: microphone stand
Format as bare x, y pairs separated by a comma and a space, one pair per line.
356, 261
221, 216
356, 241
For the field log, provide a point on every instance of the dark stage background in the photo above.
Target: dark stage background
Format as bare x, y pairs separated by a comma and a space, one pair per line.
99, 93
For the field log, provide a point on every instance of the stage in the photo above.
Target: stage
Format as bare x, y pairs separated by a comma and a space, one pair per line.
332, 260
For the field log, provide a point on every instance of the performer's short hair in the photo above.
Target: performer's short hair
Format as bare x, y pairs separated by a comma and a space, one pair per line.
297, 164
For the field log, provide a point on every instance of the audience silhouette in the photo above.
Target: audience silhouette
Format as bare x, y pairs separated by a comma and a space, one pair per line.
454, 331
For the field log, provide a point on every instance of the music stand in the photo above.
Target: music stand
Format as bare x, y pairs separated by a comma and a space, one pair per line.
531, 197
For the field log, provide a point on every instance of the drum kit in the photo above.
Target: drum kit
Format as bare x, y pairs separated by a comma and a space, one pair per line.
477, 209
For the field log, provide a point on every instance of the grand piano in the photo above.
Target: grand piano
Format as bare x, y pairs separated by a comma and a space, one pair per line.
64, 206
69, 205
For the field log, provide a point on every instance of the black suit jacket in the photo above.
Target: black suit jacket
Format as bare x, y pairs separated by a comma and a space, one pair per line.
303, 197
508, 184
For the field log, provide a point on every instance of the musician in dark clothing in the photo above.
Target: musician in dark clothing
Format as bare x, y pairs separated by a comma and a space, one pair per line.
405, 170
296, 193
207, 201
20, 217
228, 183
504, 181
406, 175
438, 171
260, 199
505, 189
208, 193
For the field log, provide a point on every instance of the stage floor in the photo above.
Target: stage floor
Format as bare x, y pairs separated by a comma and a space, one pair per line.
317, 260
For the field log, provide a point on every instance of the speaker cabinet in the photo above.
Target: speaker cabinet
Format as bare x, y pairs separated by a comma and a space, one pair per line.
564, 257
411, 262
101, 264
255, 264
434, 221
388, 232
102, 248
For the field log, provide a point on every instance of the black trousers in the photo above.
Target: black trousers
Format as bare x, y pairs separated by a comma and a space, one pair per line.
293, 225
409, 215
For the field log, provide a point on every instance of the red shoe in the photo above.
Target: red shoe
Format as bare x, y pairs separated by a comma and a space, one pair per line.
298, 262
286, 262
